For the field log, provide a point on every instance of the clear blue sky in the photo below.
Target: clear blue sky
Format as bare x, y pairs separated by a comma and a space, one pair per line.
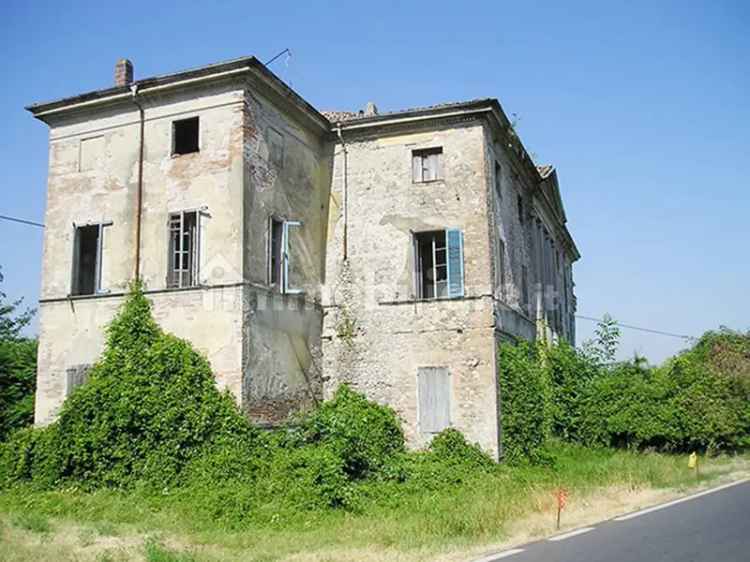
643, 107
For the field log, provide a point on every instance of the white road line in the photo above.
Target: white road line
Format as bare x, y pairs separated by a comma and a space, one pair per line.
498, 556
571, 534
680, 500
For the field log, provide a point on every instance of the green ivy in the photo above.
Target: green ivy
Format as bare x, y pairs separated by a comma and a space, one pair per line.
150, 406
525, 402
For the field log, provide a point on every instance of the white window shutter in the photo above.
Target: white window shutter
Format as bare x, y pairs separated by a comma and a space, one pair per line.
286, 246
431, 164
433, 390
76, 262
416, 168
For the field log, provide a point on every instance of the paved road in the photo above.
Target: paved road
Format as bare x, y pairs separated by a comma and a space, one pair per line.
714, 527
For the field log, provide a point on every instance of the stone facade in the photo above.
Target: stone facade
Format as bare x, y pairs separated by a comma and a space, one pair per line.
305, 244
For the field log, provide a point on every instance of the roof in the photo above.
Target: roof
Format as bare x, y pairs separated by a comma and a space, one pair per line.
193, 74
338, 116
350, 116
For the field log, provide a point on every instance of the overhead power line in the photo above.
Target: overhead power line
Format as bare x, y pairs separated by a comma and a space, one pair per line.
639, 328
22, 221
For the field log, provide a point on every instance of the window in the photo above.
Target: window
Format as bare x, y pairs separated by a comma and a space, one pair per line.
91, 152
185, 136
439, 264
76, 376
275, 147
525, 288
521, 213
427, 165
182, 270
87, 259
433, 388
500, 266
498, 181
282, 245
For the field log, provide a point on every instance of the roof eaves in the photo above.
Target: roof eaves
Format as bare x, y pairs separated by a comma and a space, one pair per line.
159, 80
208, 71
428, 111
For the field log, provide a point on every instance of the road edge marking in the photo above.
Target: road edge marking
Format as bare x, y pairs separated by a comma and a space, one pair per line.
651, 509
499, 555
570, 534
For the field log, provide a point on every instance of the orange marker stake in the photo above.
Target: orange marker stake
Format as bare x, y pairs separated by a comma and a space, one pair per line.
562, 498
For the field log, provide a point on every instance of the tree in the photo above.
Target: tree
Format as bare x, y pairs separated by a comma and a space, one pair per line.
12, 321
17, 367
603, 347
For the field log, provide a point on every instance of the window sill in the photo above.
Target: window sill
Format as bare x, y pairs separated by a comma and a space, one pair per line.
178, 154
428, 182
413, 301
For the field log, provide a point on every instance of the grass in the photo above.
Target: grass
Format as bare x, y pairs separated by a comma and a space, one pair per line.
31, 521
156, 552
512, 503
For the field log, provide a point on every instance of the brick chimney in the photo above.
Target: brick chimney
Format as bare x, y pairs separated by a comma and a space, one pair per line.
123, 72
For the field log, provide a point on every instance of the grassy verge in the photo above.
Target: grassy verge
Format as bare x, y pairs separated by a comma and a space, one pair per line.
512, 503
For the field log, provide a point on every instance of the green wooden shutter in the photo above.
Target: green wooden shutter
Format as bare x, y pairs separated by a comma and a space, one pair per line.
455, 242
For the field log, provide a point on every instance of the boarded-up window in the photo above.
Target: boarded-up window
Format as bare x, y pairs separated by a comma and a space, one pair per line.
275, 147
91, 153
76, 376
500, 267
427, 165
521, 211
434, 399
498, 181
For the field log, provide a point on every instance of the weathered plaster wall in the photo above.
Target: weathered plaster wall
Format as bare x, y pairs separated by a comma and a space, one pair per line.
547, 261
375, 336
513, 315
97, 183
263, 346
287, 176
71, 334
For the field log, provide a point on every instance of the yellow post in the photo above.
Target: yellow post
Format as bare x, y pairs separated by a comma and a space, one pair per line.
693, 463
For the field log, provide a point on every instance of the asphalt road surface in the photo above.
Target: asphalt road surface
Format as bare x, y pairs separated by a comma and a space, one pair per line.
712, 526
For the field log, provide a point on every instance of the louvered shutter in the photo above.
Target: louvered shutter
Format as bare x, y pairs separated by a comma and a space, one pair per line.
416, 167
434, 399
291, 247
455, 242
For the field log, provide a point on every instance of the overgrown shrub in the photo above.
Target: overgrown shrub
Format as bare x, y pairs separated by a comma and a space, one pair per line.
364, 434
17, 367
151, 420
698, 400
571, 373
150, 406
17, 384
681, 406
525, 402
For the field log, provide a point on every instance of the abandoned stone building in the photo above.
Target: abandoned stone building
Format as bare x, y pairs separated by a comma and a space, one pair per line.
300, 249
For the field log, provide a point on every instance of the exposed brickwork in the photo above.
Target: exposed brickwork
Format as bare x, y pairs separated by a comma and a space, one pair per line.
123, 72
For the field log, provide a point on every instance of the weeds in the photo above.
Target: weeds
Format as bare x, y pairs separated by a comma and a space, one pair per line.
30, 521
